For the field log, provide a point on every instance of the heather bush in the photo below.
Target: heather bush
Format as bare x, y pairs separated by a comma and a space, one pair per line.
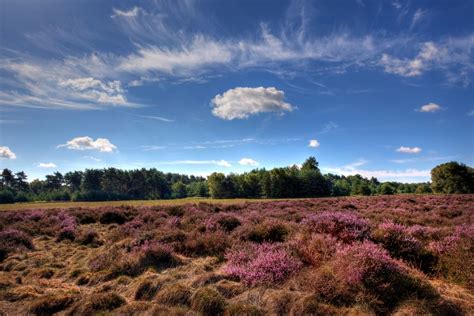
12, 240
261, 263
226, 222
309, 305
51, 304
156, 255
368, 268
267, 231
99, 302
146, 291
207, 244
239, 309
67, 226
315, 249
175, 294
208, 301
345, 226
455, 252
113, 217
401, 244
89, 238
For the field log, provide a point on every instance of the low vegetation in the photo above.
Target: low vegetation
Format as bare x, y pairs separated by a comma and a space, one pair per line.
400, 255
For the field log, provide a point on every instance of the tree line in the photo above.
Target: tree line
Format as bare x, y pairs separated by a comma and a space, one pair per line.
289, 182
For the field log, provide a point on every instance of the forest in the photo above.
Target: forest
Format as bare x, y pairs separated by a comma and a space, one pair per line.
305, 181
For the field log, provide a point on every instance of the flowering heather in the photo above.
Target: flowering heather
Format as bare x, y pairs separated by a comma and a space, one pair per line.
360, 262
315, 249
14, 240
224, 221
345, 226
261, 264
67, 226
464, 232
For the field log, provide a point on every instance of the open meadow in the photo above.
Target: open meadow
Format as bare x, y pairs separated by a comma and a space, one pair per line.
401, 255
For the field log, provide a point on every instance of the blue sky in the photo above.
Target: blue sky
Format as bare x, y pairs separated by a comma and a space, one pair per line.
380, 88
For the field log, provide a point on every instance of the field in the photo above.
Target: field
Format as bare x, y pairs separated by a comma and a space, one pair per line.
401, 255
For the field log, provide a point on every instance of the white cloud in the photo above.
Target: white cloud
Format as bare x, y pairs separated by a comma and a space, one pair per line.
241, 102
152, 147
471, 113
181, 61
88, 143
411, 67
313, 143
158, 118
93, 158
418, 16
409, 150
6, 153
47, 165
430, 107
248, 162
71, 83
386, 175
128, 14
355, 164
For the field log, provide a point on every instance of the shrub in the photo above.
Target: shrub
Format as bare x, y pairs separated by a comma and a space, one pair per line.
398, 240
455, 251
261, 264
174, 294
146, 291
12, 240
239, 309
6, 196
345, 226
112, 217
100, 302
369, 269
67, 225
51, 304
207, 244
156, 255
309, 305
267, 232
208, 302
89, 238
315, 249
225, 222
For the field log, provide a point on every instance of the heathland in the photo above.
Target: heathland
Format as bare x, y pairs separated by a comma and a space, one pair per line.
401, 254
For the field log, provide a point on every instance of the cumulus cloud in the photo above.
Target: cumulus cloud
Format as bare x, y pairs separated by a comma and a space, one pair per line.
430, 107
313, 143
47, 165
88, 143
241, 102
409, 150
6, 153
248, 162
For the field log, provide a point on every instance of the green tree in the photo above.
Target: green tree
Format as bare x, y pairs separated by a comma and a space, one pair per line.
73, 180
452, 177
310, 164
387, 189
423, 188
179, 190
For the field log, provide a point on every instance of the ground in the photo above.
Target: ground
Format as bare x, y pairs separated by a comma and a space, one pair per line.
401, 255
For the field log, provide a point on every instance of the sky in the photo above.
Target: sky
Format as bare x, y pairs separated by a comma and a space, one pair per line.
379, 88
